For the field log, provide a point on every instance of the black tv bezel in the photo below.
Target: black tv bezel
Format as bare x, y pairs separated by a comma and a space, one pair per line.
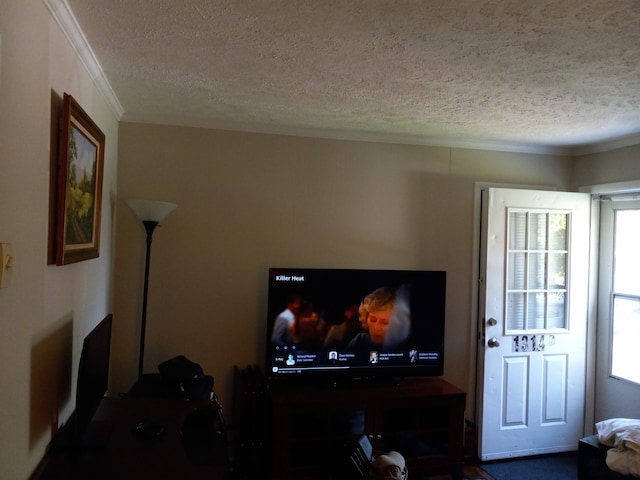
361, 374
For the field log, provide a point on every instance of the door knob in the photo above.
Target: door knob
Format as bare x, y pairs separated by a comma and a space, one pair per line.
492, 322
493, 342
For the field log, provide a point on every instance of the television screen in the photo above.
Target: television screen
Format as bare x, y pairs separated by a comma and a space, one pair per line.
93, 374
345, 324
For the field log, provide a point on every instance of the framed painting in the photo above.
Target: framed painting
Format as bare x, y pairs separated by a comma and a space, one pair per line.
79, 185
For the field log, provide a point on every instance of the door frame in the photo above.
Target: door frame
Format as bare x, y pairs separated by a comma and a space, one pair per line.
593, 377
476, 320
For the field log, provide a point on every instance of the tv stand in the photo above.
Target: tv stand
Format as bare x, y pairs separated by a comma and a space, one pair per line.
365, 382
423, 419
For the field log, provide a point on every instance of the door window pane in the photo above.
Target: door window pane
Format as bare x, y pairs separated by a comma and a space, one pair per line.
515, 311
536, 309
538, 231
517, 230
516, 274
557, 270
536, 271
556, 310
558, 229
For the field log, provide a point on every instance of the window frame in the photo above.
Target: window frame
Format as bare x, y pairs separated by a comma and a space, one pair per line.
527, 251
610, 205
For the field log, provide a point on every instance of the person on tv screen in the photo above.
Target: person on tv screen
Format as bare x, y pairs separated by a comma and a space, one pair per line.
400, 323
385, 317
340, 334
375, 315
306, 331
281, 333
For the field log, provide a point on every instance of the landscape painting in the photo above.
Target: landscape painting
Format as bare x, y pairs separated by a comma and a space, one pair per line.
78, 201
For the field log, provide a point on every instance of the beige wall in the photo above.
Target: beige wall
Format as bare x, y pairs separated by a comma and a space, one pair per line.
619, 165
249, 201
46, 310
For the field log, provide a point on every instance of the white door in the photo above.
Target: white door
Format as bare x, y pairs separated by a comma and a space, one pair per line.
532, 351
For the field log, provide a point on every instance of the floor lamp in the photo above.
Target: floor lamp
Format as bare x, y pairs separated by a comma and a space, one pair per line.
151, 212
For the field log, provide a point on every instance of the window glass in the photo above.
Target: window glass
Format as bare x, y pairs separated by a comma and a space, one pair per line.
627, 252
536, 271
626, 296
626, 332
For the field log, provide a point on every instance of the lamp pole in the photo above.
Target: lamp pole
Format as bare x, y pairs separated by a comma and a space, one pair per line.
151, 212
149, 226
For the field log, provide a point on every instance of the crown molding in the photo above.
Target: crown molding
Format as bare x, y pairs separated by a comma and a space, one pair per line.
607, 145
64, 17
346, 135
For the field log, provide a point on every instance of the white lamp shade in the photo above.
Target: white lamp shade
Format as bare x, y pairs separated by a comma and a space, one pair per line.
153, 210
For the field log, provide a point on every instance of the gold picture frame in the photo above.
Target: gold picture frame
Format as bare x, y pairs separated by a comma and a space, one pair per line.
78, 197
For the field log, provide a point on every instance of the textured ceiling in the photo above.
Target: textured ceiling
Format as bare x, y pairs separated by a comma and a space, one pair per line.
518, 74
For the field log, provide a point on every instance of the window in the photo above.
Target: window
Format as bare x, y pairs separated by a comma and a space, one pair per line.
537, 258
625, 295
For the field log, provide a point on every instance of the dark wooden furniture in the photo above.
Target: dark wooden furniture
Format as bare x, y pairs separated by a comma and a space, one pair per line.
592, 461
423, 419
250, 424
129, 454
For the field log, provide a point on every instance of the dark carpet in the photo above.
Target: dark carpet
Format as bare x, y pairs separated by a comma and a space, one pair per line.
560, 466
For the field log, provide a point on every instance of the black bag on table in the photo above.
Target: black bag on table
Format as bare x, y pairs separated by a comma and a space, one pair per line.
184, 378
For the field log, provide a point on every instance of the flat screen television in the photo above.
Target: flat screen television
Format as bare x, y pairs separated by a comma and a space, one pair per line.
346, 325
93, 374
82, 431
93, 378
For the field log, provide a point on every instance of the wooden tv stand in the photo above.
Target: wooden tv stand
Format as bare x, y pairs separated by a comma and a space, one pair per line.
423, 419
